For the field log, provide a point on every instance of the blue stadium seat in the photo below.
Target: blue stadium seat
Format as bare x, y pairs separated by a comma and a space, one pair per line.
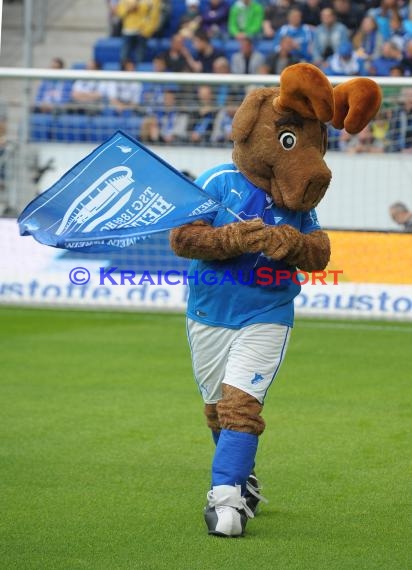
154, 47
265, 47
111, 66
230, 47
164, 44
79, 65
107, 49
102, 127
145, 66
132, 126
40, 126
71, 128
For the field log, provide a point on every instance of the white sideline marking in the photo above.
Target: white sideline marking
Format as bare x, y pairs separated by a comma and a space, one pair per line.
353, 326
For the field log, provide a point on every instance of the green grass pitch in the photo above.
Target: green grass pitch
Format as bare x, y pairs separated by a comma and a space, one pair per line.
105, 456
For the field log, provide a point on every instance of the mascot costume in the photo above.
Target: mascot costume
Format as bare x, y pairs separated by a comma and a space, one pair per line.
239, 331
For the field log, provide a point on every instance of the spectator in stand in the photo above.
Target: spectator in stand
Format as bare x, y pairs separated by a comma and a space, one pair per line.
179, 59
348, 13
191, 19
245, 19
406, 61
215, 17
311, 12
301, 35
276, 15
333, 136
205, 53
53, 93
277, 61
363, 142
202, 119
221, 65
90, 95
247, 59
126, 96
398, 34
153, 93
222, 127
223, 91
390, 57
165, 13
401, 215
344, 62
167, 125
400, 126
397, 71
380, 128
328, 36
115, 23
383, 14
368, 40
177, 55
140, 21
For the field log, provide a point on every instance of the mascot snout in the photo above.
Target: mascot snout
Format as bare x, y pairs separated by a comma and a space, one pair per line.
298, 188
314, 192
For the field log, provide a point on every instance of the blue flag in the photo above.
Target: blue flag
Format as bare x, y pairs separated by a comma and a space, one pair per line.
118, 194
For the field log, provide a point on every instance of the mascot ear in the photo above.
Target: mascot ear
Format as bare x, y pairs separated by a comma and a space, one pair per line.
306, 90
356, 102
248, 112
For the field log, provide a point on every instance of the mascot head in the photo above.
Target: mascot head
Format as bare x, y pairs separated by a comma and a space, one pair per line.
280, 134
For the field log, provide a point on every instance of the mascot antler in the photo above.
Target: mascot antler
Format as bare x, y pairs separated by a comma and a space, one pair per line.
306, 90
350, 105
356, 102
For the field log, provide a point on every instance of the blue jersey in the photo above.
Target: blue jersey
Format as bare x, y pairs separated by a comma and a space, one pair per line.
226, 293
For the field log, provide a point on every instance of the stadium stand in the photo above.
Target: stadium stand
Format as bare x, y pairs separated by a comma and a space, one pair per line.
65, 123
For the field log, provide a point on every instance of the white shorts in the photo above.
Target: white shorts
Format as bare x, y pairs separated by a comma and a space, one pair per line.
247, 358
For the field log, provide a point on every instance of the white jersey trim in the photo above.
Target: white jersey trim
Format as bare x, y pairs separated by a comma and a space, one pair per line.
215, 174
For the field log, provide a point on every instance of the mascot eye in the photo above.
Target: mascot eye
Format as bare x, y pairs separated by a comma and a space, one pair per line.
287, 140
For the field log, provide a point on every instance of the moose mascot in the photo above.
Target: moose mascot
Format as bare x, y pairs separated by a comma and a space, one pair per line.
239, 331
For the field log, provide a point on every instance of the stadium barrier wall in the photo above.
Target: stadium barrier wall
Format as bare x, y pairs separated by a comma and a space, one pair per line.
371, 282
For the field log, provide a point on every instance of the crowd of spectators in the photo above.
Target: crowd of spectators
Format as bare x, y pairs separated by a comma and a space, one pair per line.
341, 37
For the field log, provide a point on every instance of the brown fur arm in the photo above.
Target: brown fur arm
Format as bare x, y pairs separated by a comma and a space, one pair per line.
310, 252
202, 241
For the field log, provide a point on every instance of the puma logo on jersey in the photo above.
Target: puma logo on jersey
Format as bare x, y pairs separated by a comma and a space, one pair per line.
237, 193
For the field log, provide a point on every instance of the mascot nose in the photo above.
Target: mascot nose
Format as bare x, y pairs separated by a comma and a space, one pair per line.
315, 189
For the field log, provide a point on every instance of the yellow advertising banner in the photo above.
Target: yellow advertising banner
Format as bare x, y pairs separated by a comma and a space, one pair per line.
371, 257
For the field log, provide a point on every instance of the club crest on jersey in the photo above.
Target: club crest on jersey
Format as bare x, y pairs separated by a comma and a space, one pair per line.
257, 378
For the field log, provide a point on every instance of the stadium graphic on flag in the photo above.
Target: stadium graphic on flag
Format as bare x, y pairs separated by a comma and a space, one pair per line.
109, 188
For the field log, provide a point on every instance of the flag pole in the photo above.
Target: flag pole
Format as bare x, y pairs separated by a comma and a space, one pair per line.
233, 214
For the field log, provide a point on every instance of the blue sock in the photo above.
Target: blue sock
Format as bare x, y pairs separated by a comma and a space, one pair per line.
234, 458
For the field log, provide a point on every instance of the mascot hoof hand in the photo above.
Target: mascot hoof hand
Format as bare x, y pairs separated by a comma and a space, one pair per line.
245, 237
282, 241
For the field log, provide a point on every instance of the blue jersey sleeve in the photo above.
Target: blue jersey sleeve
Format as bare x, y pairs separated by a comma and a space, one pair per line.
213, 184
310, 222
